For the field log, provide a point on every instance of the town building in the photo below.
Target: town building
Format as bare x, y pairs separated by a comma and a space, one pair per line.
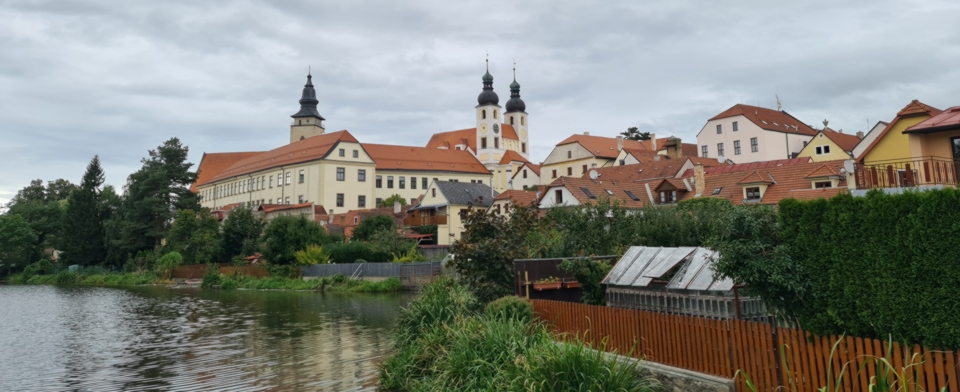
446, 204
745, 133
868, 138
501, 203
578, 153
830, 145
527, 176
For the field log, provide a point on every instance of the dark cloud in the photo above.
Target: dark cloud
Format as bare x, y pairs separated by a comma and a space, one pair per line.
118, 78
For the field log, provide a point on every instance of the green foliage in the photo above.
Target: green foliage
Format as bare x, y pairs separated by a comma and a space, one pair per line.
312, 255
590, 274
388, 202
427, 229
391, 243
195, 235
879, 264
241, 233
83, 241
351, 251
283, 271
633, 133
42, 267
442, 342
509, 307
67, 277
413, 255
372, 225
327, 284
166, 264
17, 241
287, 234
82, 278
212, 277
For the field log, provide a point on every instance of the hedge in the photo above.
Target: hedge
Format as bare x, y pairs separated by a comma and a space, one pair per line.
880, 264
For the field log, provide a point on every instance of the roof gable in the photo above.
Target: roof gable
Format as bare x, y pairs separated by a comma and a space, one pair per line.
914, 108
823, 171
754, 178
535, 168
449, 140
214, 163
846, 142
604, 147
512, 156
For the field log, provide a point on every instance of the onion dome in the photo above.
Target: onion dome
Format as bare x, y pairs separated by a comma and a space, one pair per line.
308, 101
515, 104
487, 96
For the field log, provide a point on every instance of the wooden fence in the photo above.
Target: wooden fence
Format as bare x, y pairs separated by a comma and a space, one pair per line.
196, 271
721, 347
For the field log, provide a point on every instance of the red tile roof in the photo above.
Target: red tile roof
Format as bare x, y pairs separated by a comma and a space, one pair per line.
283, 207
617, 191
946, 120
642, 154
824, 171
517, 196
305, 150
508, 132
754, 178
811, 194
639, 171
846, 141
785, 181
604, 147
512, 156
213, 163
449, 140
535, 168
771, 120
388, 157
914, 108
746, 166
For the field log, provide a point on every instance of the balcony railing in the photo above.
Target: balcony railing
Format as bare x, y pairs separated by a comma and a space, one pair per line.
425, 220
907, 173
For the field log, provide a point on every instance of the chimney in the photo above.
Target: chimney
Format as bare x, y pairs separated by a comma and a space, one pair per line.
586, 134
860, 135
619, 143
674, 148
396, 207
331, 216
699, 182
653, 141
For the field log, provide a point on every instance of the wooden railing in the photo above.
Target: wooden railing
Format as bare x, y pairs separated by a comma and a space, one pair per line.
907, 173
721, 347
425, 220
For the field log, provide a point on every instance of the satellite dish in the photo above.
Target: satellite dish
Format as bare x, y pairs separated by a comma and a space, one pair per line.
594, 175
848, 165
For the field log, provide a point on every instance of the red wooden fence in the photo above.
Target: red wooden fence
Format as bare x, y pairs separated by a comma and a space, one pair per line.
721, 347
196, 271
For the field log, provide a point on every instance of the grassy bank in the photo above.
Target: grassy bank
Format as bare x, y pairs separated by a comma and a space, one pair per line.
446, 341
104, 279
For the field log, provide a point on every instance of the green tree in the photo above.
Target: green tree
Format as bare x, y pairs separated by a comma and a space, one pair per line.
241, 232
195, 236
370, 225
286, 234
590, 274
633, 133
17, 241
154, 194
388, 202
110, 203
43, 208
82, 241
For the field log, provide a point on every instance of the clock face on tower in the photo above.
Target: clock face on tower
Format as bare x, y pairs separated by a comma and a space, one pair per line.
523, 133
483, 128
496, 128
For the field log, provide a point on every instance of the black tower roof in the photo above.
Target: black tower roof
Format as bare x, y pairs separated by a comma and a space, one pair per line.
515, 104
308, 101
487, 96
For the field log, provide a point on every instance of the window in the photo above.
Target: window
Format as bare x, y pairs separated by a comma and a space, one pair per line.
300, 199
483, 142
286, 200
361, 201
569, 154
423, 183
524, 173
588, 193
703, 151
279, 201
523, 148
719, 129
735, 126
496, 141
403, 182
753, 193
511, 120
494, 114
433, 192
569, 171
523, 120
753, 145
339, 200
258, 183
288, 178
716, 191
341, 174
356, 219
632, 196
271, 181
554, 173
558, 195
736, 147
823, 184
719, 150
667, 197
379, 181
343, 152
379, 201
356, 154
361, 175
584, 168
301, 177
483, 113
413, 183
823, 150
390, 182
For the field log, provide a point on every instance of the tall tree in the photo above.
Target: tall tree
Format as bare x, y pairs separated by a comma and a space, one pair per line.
153, 196
196, 236
17, 242
241, 233
42, 207
82, 241
633, 133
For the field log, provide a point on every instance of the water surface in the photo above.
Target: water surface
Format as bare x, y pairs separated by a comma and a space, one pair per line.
155, 338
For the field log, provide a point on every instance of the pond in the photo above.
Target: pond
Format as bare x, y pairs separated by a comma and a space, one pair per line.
82, 338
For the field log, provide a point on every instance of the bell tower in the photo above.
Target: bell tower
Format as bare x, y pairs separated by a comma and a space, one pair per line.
516, 115
307, 122
488, 121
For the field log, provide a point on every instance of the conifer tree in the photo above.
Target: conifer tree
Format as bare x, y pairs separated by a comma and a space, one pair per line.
83, 230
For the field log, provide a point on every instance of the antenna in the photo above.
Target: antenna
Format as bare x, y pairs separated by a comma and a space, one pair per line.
594, 175
779, 106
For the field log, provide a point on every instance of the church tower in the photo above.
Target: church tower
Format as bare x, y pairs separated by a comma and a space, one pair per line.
516, 115
307, 122
489, 141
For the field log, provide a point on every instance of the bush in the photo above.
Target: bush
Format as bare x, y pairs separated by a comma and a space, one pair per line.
166, 264
42, 267
590, 274
412, 256
287, 234
372, 225
510, 307
229, 283
312, 255
283, 271
351, 251
67, 277
212, 277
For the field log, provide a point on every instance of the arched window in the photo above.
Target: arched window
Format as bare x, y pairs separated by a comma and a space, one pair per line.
522, 122
494, 114
299, 122
483, 113
511, 120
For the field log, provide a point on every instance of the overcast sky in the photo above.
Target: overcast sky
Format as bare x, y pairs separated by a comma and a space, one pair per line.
117, 78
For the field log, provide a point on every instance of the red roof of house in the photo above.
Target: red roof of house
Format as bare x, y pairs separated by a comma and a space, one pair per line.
610, 189
213, 163
946, 120
512, 156
305, 150
282, 207
389, 157
824, 171
517, 196
782, 182
604, 147
914, 108
640, 171
771, 120
642, 154
846, 141
449, 140
754, 178
746, 166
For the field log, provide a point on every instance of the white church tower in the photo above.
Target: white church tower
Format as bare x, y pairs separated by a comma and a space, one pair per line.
516, 115
489, 138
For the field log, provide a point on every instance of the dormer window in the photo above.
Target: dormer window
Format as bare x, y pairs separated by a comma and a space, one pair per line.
753, 193
668, 197
822, 184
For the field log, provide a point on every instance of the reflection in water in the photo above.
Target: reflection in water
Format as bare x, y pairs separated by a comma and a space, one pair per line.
150, 338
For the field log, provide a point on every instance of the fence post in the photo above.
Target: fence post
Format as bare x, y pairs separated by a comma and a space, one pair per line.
776, 350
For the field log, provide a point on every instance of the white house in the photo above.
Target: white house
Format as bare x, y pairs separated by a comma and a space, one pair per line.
747, 133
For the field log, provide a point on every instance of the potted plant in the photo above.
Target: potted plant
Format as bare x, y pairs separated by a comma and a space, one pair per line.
549, 283
571, 284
